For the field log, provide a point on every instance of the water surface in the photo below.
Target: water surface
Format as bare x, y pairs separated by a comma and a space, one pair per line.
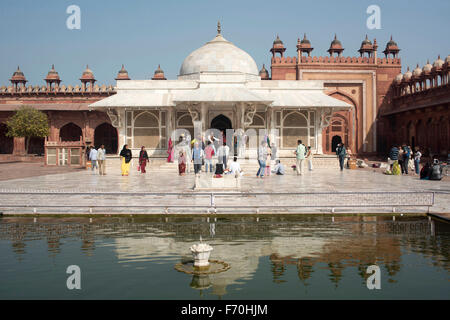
271, 257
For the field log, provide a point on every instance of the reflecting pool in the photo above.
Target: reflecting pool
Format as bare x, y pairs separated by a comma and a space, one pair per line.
271, 257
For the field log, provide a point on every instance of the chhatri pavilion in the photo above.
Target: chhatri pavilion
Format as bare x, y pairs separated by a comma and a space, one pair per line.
219, 86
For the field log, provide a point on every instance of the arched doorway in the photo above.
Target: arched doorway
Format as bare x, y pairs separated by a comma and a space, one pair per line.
335, 141
70, 132
336, 132
221, 123
106, 134
6, 143
36, 146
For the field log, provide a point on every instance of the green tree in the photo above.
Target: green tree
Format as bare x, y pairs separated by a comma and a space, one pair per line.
28, 122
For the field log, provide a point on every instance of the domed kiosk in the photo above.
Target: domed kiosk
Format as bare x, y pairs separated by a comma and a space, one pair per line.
219, 80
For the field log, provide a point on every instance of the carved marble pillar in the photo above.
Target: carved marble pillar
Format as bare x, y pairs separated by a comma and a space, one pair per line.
170, 122
197, 119
323, 121
203, 111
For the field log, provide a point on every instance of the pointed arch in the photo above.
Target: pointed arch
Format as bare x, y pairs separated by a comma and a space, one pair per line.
107, 135
70, 132
348, 122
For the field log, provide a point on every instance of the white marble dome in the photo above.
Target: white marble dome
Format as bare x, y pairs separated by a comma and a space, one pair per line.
399, 78
417, 71
438, 63
427, 68
216, 56
408, 74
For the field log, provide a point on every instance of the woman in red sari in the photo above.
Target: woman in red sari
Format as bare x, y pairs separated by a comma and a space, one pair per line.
143, 159
170, 151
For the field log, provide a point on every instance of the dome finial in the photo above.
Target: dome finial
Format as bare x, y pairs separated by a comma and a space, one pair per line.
219, 29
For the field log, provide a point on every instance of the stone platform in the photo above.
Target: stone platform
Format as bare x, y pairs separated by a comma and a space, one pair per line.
84, 192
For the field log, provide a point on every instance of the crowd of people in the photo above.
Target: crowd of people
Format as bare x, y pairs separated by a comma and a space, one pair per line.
209, 156
401, 158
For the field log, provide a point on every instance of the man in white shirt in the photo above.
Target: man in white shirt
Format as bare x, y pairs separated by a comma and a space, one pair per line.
223, 154
235, 168
101, 156
279, 168
93, 158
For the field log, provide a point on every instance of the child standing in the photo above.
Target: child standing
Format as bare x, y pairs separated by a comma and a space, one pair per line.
181, 164
309, 156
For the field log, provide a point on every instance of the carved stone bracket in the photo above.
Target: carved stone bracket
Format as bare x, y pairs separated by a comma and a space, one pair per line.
248, 115
325, 117
116, 119
195, 114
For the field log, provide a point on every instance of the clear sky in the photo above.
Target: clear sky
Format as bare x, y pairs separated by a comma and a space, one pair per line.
143, 33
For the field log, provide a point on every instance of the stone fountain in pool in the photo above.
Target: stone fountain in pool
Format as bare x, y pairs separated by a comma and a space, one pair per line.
201, 264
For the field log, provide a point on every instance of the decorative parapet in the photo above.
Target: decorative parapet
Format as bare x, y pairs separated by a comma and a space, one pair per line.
340, 60
284, 60
61, 90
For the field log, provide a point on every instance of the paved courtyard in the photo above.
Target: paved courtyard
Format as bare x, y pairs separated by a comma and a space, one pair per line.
81, 189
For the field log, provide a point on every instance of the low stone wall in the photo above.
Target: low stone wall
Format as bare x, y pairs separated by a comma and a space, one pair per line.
20, 158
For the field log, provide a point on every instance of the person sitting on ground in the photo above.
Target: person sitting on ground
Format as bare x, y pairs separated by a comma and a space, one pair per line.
396, 170
425, 171
436, 171
279, 168
393, 155
235, 168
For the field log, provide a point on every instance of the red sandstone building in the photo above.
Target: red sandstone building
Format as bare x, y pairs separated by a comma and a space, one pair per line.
387, 106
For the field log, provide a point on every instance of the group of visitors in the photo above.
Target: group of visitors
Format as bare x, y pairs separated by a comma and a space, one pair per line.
303, 153
401, 158
433, 171
126, 156
200, 154
97, 158
267, 159
207, 152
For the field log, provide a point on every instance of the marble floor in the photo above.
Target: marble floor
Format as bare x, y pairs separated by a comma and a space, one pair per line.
94, 189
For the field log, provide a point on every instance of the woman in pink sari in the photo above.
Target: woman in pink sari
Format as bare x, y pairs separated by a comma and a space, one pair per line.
170, 151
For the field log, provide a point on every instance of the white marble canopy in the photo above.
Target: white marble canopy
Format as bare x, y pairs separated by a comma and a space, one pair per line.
280, 93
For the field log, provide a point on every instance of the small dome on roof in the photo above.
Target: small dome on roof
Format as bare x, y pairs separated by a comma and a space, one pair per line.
399, 78
427, 68
87, 74
304, 40
391, 43
277, 41
263, 73
447, 60
438, 63
408, 75
52, 74
18, 76
304, 43
417, 71
122, 74
335, 43
159, 74
366, 41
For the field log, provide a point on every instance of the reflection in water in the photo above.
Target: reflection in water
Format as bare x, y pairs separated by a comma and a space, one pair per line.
304, 245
